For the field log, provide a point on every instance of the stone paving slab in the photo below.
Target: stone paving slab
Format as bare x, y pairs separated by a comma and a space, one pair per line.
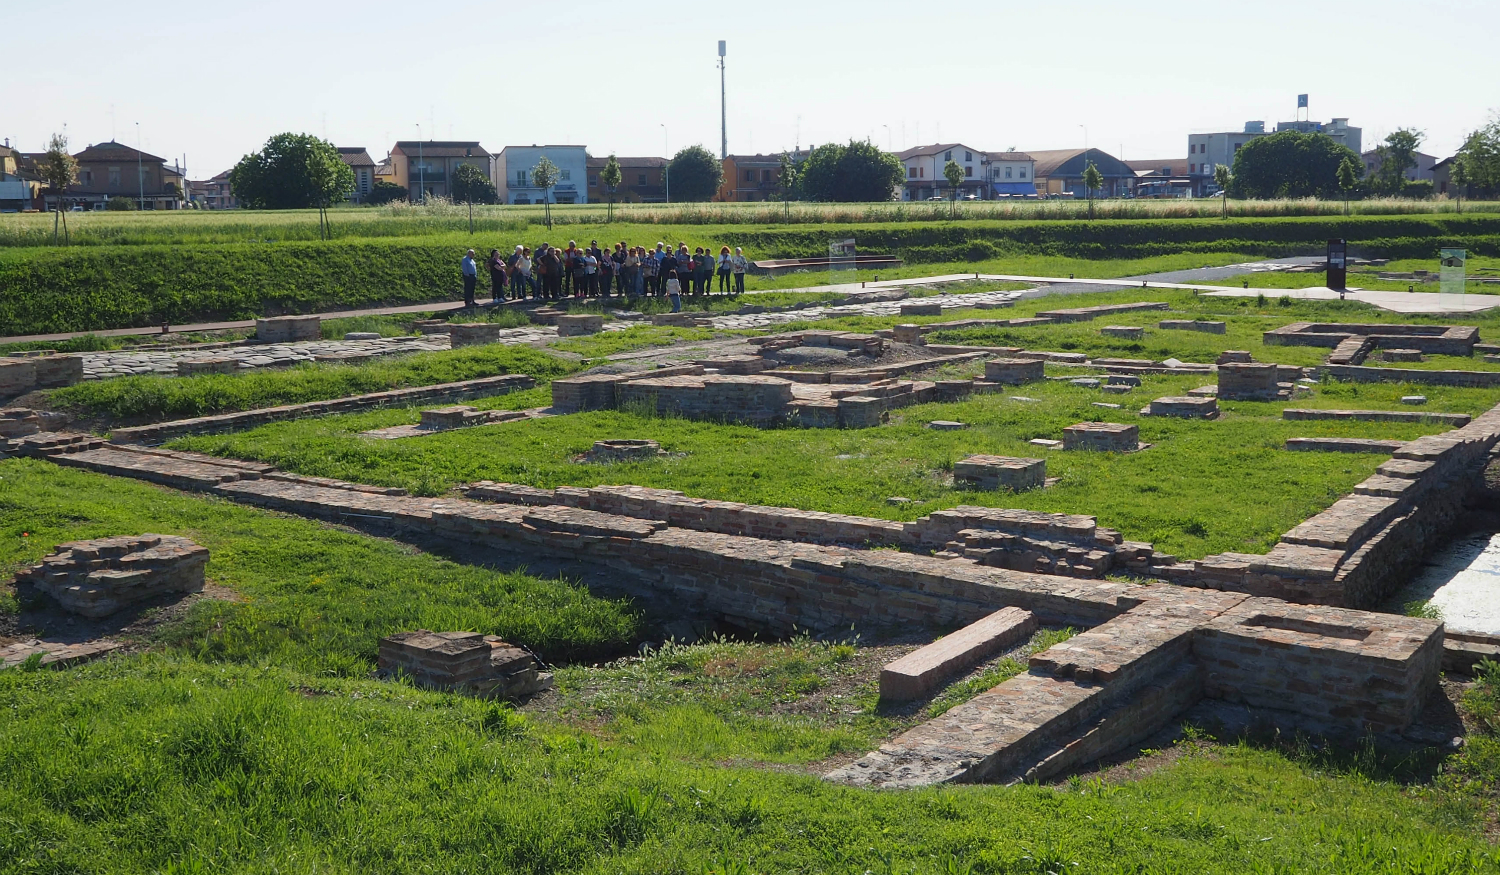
55, 654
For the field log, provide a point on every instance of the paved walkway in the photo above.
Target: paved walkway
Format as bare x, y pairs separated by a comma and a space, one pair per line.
1396, 302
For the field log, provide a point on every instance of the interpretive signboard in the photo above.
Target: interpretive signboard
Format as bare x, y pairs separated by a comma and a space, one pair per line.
840, 258
1451, 275
1338, 274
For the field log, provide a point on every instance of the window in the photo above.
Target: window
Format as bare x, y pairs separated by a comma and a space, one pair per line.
566, 174
765, 176
911, 173
749, 175
521, 177
114, 177
1023, 172
594, 180
968, 171
1007, 173
86, 177
1237, 146
968, 156
640, 180
922, 172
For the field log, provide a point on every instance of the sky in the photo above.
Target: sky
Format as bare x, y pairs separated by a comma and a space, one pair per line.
207, 81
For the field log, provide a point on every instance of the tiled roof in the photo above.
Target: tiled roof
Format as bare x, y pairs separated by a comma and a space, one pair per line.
1008, 156
628, 162
442, 148
113, 151
356, 156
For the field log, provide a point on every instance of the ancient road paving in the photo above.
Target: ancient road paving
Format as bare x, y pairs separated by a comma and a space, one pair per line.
1462, 580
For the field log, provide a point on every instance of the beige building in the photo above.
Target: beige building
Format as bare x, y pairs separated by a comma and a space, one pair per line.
425, 167
110, 170
363, 166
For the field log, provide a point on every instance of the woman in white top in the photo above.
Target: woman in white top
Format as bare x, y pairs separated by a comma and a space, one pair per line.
739, 265
722, 269
674, 291
523, 273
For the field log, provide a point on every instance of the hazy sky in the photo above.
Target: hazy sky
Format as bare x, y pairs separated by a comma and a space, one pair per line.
214, 79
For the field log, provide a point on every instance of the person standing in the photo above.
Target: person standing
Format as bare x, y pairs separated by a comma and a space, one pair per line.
674, 291
668, 268
631, 278
726, 265
740, 265
607, 269
471, 276
590, 285
619, 259
649, 264
496, 265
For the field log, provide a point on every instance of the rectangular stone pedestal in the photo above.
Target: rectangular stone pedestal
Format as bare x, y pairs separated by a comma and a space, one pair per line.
581, 324
1000, 472
286, 329
1110, 437
1183, 406
1013, 371
920, 672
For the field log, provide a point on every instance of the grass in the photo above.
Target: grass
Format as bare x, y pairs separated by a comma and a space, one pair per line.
314, 598
1205, 487
225, 750
150, 397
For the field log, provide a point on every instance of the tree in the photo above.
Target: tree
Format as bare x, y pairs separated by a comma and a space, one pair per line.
470, 185
60, 172
1093, 180
1398, 154
120, 205
955, 176
293, 171
1222, 178
383, 192
1348, 174
1289, 164
1481, 155
697, 174
545, 175
1459, 176
858, 172
610, 178
791, 177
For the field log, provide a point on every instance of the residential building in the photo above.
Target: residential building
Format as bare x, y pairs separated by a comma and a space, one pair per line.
1339, 130
1205, 151
924, 171
753, 178
363, 166
109, 170
425, 167
214, 193
1010, 174
511, 172
1422, 170
1161, 177
20, 189
1059, 173
640, 181
1442, 181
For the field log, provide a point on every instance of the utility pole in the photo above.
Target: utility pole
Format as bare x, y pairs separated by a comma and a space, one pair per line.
666, 176
421, 169
140, 174
723, 108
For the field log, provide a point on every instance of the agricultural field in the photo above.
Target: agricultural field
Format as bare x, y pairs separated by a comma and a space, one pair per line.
244, 728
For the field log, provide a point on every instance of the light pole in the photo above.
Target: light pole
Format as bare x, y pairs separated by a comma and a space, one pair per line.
421, 168
140, 176
723, 108
887, 137
666, 169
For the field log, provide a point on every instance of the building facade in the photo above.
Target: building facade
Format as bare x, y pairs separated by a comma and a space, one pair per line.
511, 173
113, 170
924, 165
1339, 130
363, 166
1009, 175
214, 193
752, 178
640, 181
19, 189
1205, 151
1059, 173
1422, 171
425, 167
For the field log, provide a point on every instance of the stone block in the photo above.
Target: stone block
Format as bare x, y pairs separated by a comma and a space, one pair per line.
1342, 445
1085, 383
579, 325
861, 411
1126, 332
946, 425
919, 673
953, 390
288, 329
1414, 399
362, 335
1183, 406
194, 367
1252, 381
103, 576
1192, 325
623, 450
17, 376
906, 333
1014, 371
1402, 355
921, 309
455, 416
1234, 356
462, 334
55, 371
1111, 437
994, 473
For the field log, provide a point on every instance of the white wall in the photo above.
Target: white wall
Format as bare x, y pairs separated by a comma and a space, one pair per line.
572, 160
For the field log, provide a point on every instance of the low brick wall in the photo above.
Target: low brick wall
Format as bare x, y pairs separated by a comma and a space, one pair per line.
1192, 325
461, 391
1435, 339
1457, 420
288, 329
1085, 314
1361, 374
1014, 372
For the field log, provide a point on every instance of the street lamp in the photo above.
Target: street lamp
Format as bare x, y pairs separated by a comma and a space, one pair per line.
666, 176
140, 175
421, 168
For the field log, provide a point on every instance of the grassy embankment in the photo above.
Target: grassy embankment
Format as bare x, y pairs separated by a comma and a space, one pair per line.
48, 289
251, 742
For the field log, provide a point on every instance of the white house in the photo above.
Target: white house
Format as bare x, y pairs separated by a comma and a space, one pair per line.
986, 175
511, 170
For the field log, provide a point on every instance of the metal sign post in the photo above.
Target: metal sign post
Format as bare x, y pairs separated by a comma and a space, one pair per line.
1338, 274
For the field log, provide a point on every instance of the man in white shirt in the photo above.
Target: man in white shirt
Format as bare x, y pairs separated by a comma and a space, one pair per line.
471, 275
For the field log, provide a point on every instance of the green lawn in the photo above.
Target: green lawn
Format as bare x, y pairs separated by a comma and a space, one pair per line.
1205, 487
249, 740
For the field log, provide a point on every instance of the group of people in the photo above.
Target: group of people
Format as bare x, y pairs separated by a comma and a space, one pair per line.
593, 272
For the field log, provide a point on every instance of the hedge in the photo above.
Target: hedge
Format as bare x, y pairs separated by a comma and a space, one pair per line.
47, 289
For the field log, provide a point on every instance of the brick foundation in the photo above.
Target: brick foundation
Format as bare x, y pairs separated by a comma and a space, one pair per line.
101, 577
288, 329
